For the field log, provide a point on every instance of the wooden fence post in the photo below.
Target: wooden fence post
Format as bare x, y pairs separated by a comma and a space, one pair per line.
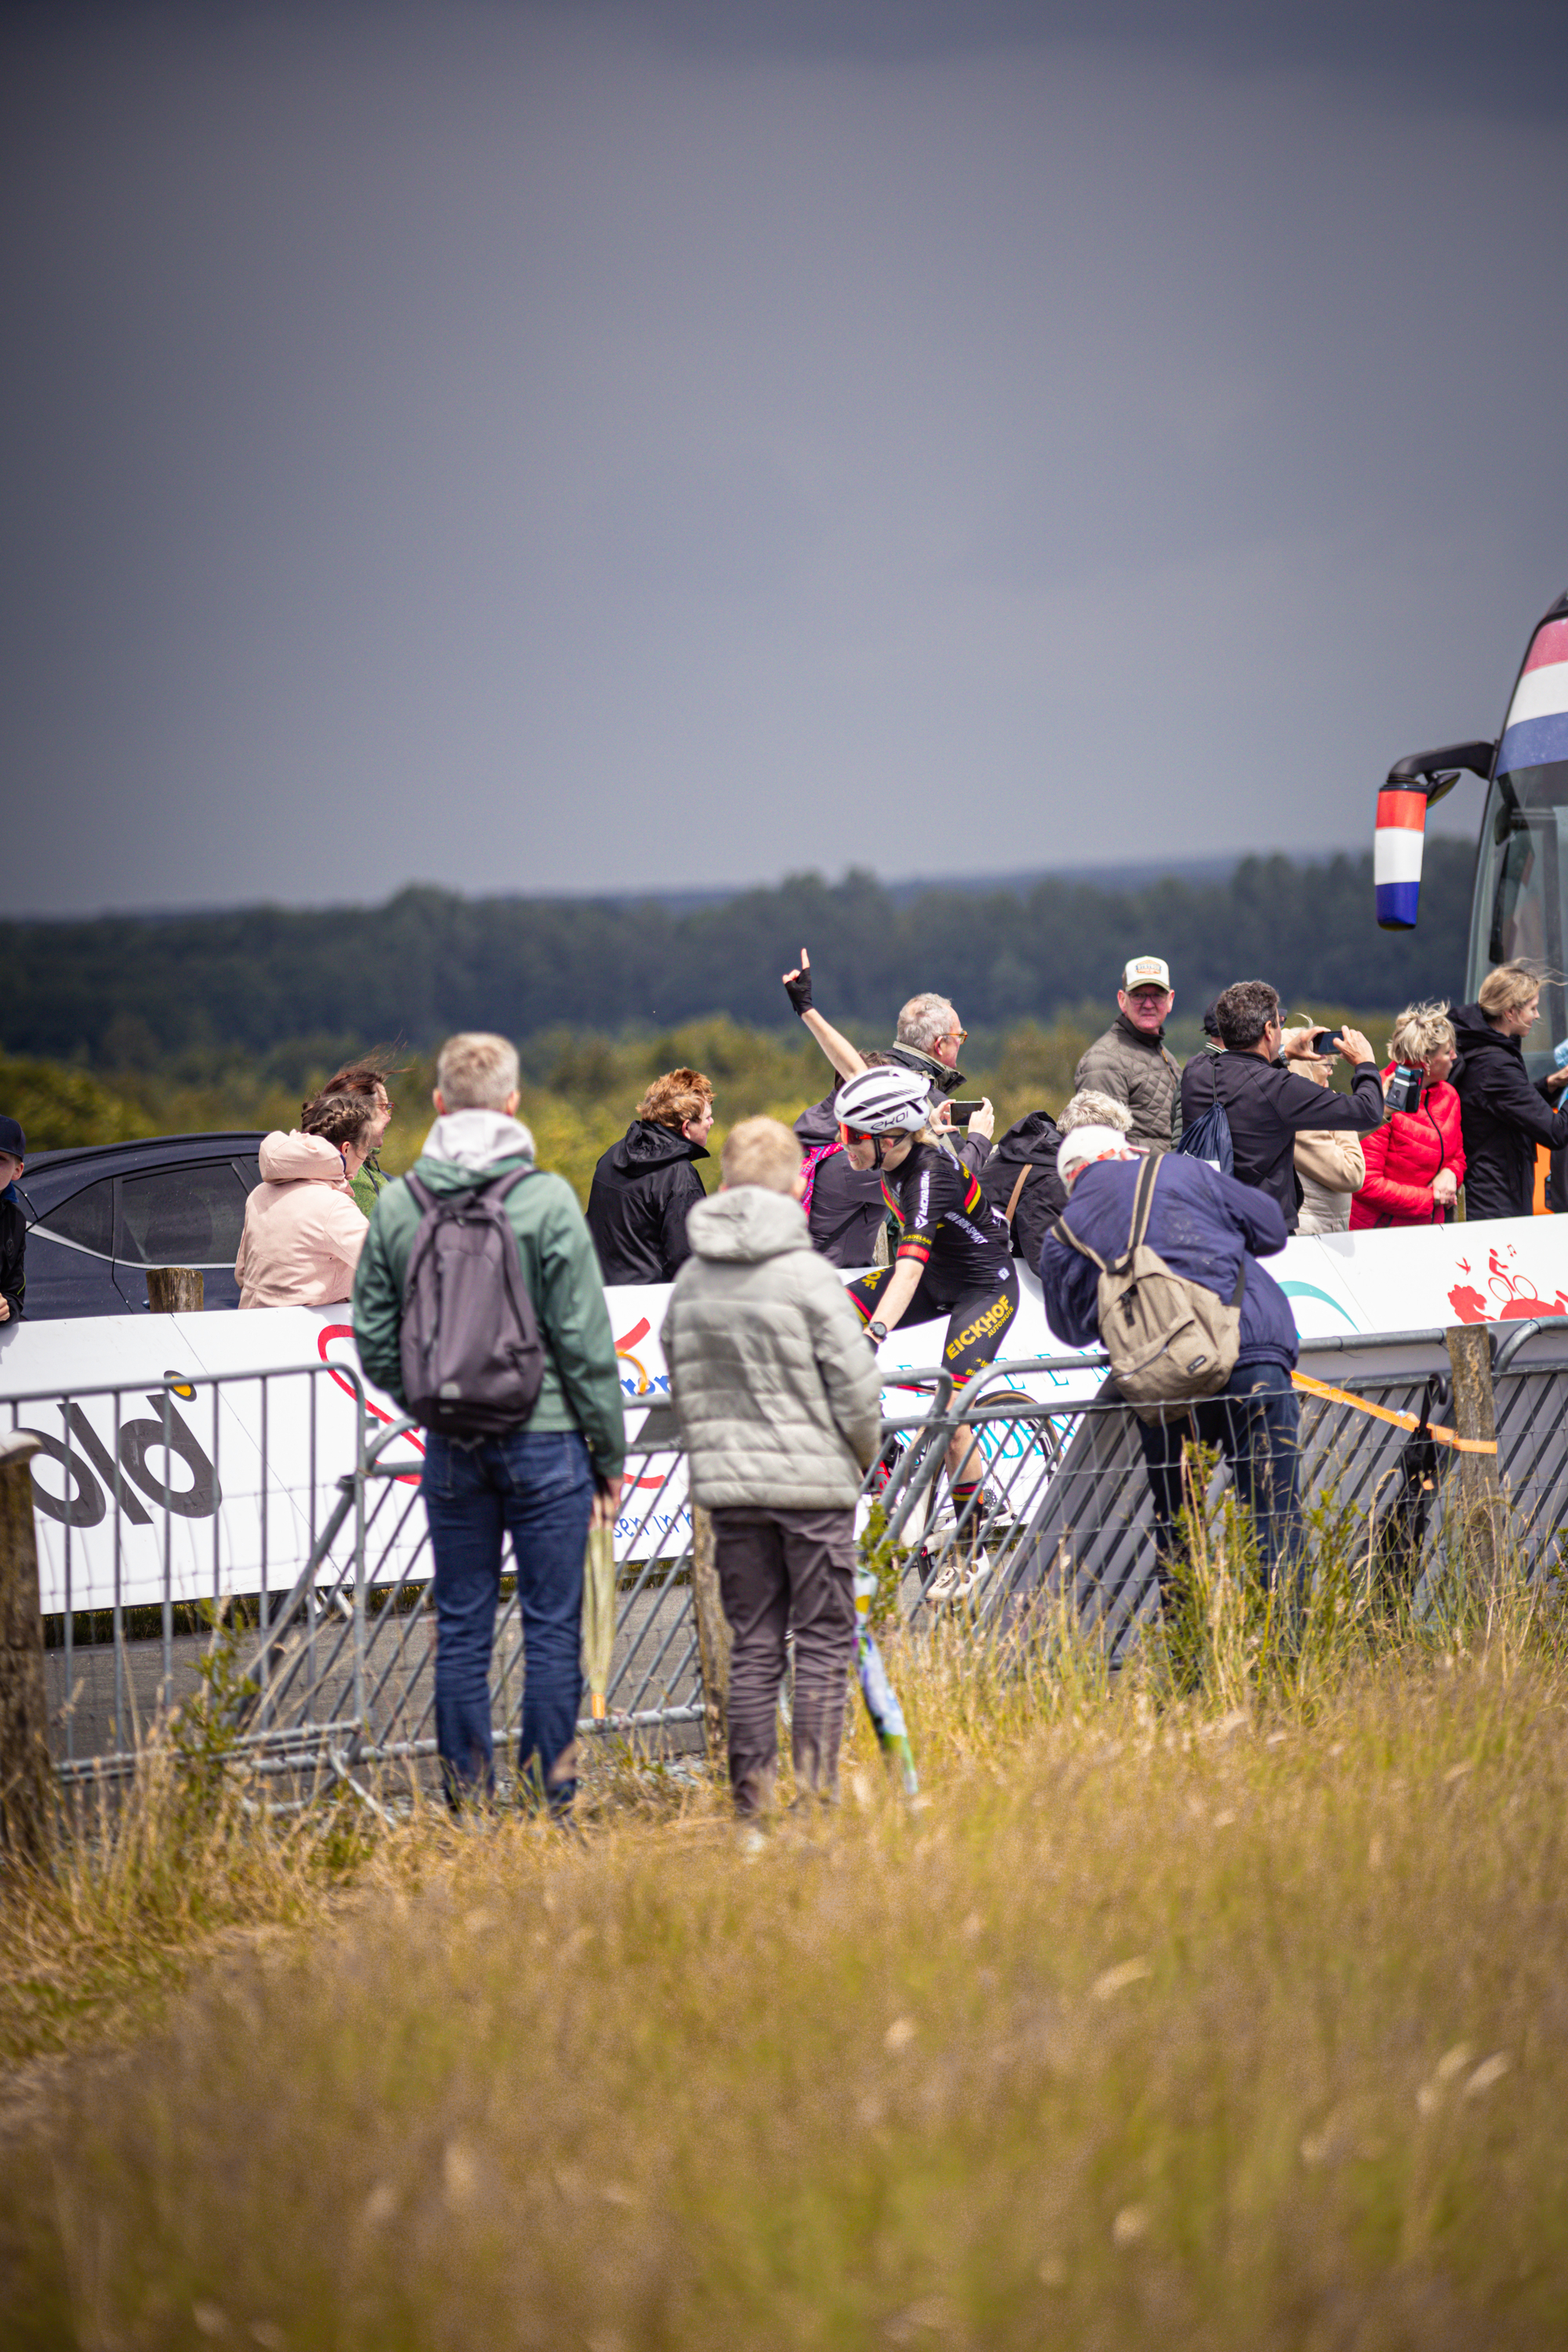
1480, 1488
26, 1775
714, 1637
175, 1290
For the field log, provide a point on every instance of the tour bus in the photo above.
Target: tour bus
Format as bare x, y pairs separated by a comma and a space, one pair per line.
1519, 903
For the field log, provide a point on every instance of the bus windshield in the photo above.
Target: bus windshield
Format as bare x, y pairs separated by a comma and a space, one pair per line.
1518, 908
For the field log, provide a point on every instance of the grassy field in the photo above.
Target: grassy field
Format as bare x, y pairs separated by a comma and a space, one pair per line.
1236, 2019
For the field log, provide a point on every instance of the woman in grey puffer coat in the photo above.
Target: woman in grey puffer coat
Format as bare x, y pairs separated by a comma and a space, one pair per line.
776, 1390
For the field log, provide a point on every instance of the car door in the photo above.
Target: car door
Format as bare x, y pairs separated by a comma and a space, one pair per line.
71, 1268
190, 1213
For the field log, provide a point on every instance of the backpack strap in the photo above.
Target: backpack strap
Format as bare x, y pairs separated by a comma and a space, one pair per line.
1024, 1173
1140, 1225
1143, 1203
1065, 1233
504, 1185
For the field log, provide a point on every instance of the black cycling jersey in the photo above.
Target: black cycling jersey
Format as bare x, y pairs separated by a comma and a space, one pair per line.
947, 1225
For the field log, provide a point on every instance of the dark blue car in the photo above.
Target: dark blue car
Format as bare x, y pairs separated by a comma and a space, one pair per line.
99, 1217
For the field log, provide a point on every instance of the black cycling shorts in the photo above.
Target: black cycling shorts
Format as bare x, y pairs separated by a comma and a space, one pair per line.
976, 1326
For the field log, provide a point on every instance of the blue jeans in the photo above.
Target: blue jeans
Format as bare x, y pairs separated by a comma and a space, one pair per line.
1255, 1423
539, 1488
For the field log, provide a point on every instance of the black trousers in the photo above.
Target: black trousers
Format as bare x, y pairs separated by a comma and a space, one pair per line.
1255, 1421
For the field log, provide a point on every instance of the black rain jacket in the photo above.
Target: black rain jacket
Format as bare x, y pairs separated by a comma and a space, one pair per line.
1033, 1144
1267, 1104
1503, 1115
13, 1251
644, 1190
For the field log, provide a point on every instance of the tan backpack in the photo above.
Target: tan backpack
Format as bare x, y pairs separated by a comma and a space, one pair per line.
1169, 1339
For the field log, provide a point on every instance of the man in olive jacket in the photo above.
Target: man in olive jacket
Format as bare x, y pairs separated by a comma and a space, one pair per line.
541, 1481
776, 1390
1131, 1063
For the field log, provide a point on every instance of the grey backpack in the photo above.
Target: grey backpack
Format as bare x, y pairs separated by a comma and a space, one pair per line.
473, 1362
1169, 1339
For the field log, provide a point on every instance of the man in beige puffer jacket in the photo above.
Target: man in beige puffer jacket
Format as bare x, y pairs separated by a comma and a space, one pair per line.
776, 1390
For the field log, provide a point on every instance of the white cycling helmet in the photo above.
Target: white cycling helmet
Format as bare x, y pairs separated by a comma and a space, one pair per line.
885, 1101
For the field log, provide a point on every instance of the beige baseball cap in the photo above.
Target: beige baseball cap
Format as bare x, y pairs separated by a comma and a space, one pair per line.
1146, 972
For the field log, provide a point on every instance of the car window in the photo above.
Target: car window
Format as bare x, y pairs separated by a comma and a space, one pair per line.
87, 1218
248, 1170
181, 1216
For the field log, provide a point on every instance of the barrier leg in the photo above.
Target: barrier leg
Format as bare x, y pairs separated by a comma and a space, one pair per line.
1481, 1491
713, 1638
25, 1810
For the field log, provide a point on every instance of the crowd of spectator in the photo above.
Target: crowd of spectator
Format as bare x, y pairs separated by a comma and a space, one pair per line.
890, 1177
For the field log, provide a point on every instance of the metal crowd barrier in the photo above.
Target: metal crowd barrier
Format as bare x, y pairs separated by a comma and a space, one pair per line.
159, 1505
350, 1684
324, 1559
1090, 1540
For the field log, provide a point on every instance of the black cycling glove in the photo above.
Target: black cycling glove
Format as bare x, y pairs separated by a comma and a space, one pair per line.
798, 991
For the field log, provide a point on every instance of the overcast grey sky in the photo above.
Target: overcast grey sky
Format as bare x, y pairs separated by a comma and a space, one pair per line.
531, 448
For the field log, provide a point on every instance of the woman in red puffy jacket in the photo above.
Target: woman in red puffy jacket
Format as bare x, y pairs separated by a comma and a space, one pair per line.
1415, 1160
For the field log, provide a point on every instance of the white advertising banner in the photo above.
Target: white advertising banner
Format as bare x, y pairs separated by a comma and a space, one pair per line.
252, 1477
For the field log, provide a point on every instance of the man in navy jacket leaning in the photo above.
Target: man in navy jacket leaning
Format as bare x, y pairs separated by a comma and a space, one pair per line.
1205, 1226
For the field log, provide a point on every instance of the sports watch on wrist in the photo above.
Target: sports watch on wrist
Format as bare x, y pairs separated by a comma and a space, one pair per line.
878, 1331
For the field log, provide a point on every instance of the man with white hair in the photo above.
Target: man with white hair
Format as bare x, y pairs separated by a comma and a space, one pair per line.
1210, 1230
1088, 1107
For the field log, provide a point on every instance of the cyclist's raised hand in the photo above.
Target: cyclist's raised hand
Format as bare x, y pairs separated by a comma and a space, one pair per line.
984, 1122
798, 984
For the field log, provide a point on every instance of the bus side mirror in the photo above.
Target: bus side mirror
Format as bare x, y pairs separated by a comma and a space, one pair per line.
1425, 770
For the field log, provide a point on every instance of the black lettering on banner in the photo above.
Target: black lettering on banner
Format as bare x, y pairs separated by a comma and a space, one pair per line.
102, 1461
138, 1439
82, 1503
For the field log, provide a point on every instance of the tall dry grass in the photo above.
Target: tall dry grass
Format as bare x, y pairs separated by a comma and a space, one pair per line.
1221, 2003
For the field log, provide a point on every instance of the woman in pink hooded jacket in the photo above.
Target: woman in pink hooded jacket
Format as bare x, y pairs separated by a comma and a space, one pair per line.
303, 1229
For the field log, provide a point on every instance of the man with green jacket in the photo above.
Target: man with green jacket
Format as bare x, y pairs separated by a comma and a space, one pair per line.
544, 1481
1133, 1063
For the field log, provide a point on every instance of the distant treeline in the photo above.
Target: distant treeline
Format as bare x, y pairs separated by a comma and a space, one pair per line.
123, 992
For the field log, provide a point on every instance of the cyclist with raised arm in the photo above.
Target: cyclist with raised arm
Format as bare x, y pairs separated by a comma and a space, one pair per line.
928, 1040
953, 1255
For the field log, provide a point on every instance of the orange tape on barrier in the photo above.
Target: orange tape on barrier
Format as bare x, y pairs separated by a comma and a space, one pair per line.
1396, 1420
